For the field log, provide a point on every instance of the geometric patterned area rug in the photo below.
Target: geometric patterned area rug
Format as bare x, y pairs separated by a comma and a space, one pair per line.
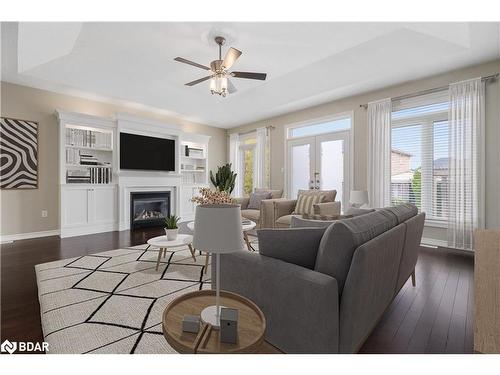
112, 302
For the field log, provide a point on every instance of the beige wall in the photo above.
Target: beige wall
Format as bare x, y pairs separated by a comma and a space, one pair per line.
360, 132
21, 209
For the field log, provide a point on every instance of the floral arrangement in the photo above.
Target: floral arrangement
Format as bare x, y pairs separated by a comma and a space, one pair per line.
209, 196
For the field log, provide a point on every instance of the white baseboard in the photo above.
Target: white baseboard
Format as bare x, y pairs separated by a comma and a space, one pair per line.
82, 230
432, 242
24, 236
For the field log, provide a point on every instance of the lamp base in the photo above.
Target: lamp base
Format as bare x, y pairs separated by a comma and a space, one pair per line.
208, 316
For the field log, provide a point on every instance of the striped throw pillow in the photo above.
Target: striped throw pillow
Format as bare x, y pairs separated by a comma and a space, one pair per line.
305, 203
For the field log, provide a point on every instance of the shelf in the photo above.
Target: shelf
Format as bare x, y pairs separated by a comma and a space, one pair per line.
193, 170
90, 148
87, 166
194, 157
87, 184
194, 184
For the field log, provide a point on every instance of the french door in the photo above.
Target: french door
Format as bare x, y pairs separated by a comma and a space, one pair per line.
319, 163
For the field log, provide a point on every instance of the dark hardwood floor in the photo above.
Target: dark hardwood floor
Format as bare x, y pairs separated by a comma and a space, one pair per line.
434, 317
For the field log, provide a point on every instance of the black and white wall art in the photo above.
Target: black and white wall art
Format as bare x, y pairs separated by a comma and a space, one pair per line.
18, 154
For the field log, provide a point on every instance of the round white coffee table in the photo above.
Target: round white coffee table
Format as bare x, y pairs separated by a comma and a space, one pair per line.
247, 226
163, 244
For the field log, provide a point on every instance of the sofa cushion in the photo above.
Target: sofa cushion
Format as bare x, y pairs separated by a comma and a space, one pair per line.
305, 203
403, 211
300, 222
329, 194
253, 215
256, 198
293, 245
327, 208
285, 221
275, 194
343, 237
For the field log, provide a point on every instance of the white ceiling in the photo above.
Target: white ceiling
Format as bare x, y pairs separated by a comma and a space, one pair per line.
306, 63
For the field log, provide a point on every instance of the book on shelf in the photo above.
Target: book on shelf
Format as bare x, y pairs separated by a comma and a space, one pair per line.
88, 138
92, 175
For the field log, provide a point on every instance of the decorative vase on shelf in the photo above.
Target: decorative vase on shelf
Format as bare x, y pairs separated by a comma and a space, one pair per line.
171, 234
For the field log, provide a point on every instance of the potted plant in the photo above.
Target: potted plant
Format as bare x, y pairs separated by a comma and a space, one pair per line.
171, 228
224, 179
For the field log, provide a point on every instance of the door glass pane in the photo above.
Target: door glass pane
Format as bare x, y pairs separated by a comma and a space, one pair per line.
248, 161
332, 166
300, 165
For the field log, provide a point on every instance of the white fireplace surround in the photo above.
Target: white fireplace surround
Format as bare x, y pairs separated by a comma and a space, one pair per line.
153, 184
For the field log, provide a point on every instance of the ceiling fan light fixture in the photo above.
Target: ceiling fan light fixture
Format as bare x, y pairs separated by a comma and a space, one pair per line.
218, 84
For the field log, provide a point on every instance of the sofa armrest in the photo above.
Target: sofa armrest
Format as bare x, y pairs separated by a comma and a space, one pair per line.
327, 208
243, 202
301, 306
284, 207
267, 218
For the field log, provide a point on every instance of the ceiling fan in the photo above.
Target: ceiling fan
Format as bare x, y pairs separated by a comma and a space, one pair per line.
219, 77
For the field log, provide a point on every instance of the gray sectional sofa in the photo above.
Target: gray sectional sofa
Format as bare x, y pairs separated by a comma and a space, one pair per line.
324, 289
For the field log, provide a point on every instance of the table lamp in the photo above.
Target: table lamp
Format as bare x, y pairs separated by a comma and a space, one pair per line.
358, 198
218, 230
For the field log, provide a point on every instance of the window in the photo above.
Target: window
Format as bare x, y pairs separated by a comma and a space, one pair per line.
247, 155
419, 155
335, 125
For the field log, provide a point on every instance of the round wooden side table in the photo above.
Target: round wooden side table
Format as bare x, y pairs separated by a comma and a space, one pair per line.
251, 324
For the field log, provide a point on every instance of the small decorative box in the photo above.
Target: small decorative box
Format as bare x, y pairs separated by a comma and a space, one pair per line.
191, 323
229, 325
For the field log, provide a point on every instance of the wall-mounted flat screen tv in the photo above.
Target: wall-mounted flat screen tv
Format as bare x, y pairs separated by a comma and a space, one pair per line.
146, 153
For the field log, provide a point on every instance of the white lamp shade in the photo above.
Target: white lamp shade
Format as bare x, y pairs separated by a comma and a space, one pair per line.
358, 197
218, 228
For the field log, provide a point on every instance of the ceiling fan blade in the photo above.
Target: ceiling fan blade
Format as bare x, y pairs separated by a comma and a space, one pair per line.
198, 81
231, 56
230, 87
249, 75
182, 60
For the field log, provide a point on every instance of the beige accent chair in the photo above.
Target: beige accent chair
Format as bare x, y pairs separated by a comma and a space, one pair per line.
264, 218
284, 208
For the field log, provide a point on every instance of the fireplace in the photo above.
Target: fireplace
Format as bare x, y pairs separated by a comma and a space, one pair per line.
149, 209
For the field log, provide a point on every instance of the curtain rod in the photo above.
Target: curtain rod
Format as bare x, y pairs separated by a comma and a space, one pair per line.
270, 127
430, 91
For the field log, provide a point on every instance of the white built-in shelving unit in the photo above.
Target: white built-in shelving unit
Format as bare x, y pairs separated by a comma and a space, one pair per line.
99, 201
86, 175
194, 170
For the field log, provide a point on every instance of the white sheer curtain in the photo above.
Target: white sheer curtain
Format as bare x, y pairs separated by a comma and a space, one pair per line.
466, 118
260, 169
379, 153
234, 143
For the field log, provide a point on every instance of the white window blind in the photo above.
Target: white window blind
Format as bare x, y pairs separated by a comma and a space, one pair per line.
420, 153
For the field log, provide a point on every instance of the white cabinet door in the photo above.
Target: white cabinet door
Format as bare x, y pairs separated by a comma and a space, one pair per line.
187, 207
103, 204
76, 207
